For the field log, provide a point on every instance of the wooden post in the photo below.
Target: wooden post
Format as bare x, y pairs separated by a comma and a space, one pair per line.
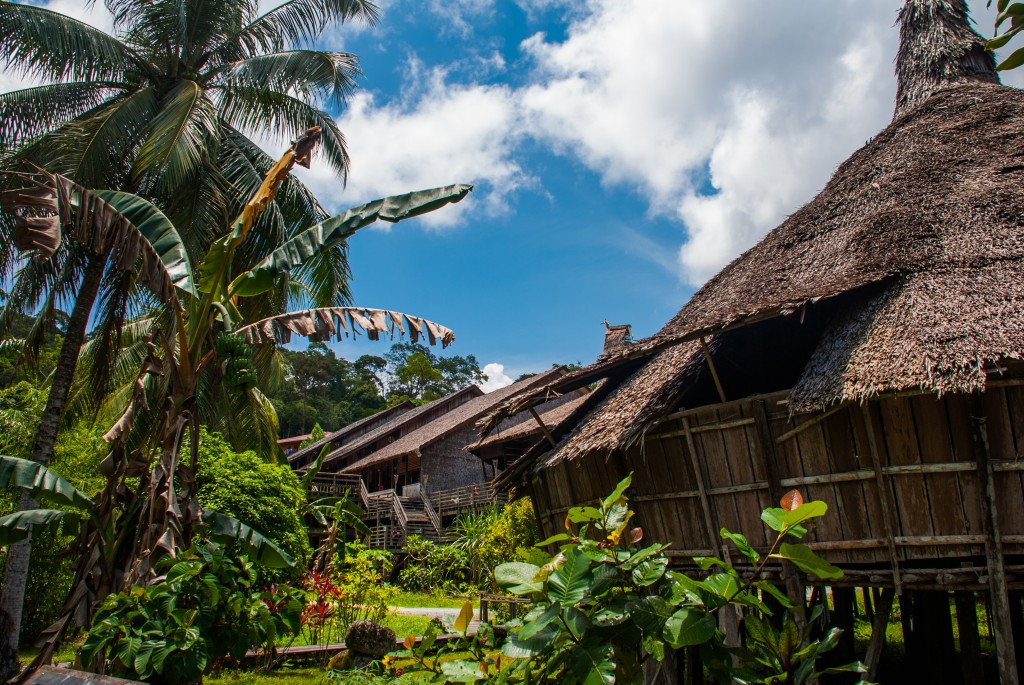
714, 539
1001, 622
547, 433
907, 624
794, 587
884, 496
714, 371
842, 602
883, 608
869, 607
934, 629
970, 642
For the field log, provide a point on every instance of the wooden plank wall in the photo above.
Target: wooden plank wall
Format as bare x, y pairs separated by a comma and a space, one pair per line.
897, 474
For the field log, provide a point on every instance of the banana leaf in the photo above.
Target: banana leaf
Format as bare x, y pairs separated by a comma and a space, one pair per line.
41, 483
293, 253
321, 324
260, 549
23, 524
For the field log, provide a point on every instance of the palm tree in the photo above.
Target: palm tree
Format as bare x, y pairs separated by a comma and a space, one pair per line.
162, 108
198, 335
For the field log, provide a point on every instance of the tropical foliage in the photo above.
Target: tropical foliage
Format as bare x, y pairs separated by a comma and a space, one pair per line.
177, 362
1012, 12
203, 609
605, 604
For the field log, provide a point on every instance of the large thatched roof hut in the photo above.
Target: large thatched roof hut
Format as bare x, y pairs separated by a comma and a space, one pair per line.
867, 352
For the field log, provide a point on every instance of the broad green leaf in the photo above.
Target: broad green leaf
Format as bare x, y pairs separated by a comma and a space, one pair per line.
650, 614
781, 597
689, 626
517, 647
649, 571
617, 492
1013, 61
23, 524
774, 518
570, 582
576, 621
560, 537
464, 618
742, 545
593, 665
535, 624
722, 584
517, 577
462, 671
583, 514
213, 266
655, 647
158, 231
295, 252
809, 562
41, 483
260, 549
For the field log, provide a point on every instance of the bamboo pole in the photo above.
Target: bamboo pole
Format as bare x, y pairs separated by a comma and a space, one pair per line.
1005, 656
884, 495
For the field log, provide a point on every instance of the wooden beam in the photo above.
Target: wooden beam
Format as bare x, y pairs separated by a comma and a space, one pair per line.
884, 496
714, 372
547, 433
970, 641
877, 642
794, 587
1001, 622
714, 539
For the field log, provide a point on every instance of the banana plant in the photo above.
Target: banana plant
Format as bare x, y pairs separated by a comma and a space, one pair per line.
203, 334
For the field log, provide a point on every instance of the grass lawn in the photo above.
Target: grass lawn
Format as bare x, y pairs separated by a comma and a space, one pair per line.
423, 600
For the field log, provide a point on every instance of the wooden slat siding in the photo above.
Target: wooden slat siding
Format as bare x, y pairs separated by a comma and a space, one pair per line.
686, 512
712, 453
1001, 448
658, 520
692, 512
816, 458
943, 488
958, 415
742, 457
913, 504
852, 496
1015, 406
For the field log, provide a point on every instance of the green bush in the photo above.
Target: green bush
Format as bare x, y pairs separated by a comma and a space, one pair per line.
606, 603
76, 457
267, 497
203, 611
430, 566
512, 535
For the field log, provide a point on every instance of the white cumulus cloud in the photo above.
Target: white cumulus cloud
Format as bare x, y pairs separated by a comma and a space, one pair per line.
496, 377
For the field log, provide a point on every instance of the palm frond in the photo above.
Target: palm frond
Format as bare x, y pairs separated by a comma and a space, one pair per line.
30, 112
39, 42
324, 77
96, 151
263, 110
179, 136
295, 22
325, 278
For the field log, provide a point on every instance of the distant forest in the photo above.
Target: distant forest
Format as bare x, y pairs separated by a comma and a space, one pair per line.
321, 388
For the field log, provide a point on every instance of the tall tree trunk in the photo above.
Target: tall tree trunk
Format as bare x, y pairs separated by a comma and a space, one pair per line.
12, 598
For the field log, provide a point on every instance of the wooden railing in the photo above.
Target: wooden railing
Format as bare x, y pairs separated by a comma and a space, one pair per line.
386, 537
386, 501
435, 519
335, 485
456, 500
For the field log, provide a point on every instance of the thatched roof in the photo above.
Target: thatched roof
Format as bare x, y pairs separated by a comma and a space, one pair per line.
308, 454
393, 430
921, 232
460, 418
937, 49
529, 427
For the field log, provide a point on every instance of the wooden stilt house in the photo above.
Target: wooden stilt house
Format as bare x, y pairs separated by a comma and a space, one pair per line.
866, 352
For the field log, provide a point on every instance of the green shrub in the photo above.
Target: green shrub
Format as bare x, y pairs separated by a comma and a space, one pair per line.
76, 457
267, 497
606, 603
430, 566
511, 536
203, 611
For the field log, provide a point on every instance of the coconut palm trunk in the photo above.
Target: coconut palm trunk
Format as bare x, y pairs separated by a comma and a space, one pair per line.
12, 597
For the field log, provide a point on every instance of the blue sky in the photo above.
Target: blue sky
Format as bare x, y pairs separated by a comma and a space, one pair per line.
622, 151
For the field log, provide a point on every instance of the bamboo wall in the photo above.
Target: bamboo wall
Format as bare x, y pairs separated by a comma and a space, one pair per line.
900, 476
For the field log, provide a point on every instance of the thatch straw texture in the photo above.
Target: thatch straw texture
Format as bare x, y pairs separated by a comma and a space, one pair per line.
938, 48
